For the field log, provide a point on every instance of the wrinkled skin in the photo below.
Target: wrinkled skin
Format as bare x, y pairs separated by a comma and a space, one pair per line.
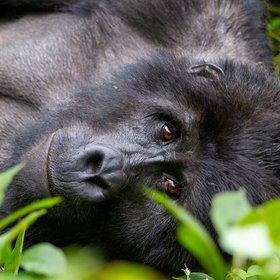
86, 89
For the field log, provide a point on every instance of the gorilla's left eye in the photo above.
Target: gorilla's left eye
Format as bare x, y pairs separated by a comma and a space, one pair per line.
168, 132
171, 187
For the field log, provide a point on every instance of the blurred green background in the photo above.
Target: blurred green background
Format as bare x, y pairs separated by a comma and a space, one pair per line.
274, 31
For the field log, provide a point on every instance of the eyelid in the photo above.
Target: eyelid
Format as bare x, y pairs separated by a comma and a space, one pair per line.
168, 119
166, 115
169, 177
165, 112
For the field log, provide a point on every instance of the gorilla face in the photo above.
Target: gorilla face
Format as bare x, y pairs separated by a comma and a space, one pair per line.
182, 127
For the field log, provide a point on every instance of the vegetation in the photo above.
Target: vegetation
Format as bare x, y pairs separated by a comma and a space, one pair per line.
274, 32
249, 235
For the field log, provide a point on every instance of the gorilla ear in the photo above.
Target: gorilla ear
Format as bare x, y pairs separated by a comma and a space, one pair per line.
207, 70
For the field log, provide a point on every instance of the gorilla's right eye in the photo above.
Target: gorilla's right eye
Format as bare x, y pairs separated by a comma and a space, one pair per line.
168, 132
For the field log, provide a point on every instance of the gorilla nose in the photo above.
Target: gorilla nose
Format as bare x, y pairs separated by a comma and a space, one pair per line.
91, 173
103, 167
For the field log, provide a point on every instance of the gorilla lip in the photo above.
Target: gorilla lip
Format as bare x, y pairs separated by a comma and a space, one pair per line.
48, 169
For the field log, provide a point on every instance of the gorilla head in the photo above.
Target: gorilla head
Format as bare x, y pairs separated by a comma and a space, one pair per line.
182, 127
110, 96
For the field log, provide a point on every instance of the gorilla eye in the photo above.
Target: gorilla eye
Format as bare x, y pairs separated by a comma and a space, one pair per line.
168, 132
171, 187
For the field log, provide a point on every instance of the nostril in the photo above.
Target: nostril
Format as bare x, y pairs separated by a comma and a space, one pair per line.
93, 172
95, 161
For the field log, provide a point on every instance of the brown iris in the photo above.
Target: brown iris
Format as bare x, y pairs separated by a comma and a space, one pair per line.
171, 187
167, 133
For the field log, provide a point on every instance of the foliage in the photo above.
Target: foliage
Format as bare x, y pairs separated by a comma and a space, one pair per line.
193, 236
12, 239
250, 235
45, 261
273, 29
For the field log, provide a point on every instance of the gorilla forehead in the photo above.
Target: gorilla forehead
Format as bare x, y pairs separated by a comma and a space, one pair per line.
167, 81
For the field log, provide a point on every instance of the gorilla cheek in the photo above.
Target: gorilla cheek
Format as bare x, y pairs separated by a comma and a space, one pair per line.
31, 183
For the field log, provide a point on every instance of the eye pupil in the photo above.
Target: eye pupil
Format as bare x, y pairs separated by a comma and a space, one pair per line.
167, 133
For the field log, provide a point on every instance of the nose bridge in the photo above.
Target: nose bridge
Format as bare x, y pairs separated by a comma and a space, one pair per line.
152, 157
161, 159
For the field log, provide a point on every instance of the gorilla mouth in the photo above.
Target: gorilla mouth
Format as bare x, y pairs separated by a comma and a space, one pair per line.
97, 181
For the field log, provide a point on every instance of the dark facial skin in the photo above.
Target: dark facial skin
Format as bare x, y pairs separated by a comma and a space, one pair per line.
109, 97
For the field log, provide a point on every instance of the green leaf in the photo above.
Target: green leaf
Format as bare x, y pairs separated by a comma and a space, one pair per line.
12, 263
194, 276
228, 208
200, 276
274, 24
24, 224
8, 237
5, 248
41, 204
272, 267
7, 177
237, 273
44, 259
120, 270
269, 214
252, 241
193, 236
254, 270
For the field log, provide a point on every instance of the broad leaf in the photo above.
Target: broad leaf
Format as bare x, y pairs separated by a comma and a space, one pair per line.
254, 270
44, 259
269, 214
248, 242
228, 208
237, 273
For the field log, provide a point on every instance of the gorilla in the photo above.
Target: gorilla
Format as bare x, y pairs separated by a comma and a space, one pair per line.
103, 97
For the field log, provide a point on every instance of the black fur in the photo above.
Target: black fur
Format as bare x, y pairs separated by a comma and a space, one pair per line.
40, 4
85, 92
